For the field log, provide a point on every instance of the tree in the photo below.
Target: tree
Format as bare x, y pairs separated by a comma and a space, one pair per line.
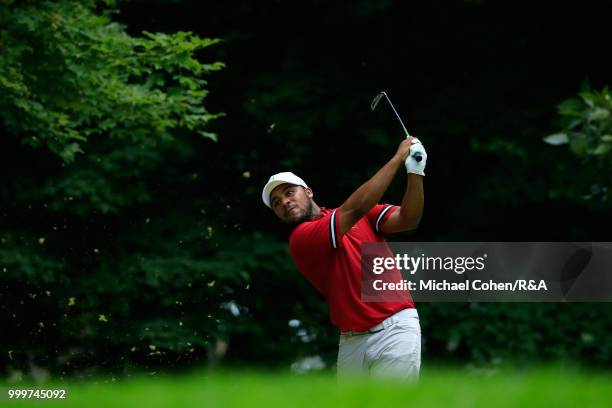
113, 119
69, 74
586, 125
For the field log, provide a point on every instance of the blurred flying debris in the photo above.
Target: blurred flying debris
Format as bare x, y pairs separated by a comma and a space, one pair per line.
306, 364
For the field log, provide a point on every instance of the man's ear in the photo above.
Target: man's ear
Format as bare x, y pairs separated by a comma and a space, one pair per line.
309, 192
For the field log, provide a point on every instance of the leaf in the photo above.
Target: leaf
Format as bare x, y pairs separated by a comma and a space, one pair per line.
602, 149
69, 151
607, 138
579, 147
571, 107
208, 135
574, 123
556, 139
588, 98
598, 114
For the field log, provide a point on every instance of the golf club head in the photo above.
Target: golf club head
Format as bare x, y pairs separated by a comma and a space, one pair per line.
418, 157
377, 99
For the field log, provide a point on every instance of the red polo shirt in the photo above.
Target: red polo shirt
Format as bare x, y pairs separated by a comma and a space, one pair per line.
332, 263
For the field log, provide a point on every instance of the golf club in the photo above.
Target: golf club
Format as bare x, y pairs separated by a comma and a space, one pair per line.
417, 156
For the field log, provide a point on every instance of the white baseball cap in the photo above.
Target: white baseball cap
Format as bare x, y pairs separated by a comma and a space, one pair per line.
278, 179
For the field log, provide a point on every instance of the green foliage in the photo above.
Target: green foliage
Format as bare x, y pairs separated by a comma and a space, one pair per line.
586, 125
518, 332
85, 275
69, 74
22, 259
75, 81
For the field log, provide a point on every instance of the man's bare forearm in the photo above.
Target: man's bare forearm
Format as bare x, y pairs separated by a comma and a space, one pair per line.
411, 209
369, 194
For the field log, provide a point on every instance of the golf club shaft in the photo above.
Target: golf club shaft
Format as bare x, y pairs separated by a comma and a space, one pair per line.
417, 156
397, 114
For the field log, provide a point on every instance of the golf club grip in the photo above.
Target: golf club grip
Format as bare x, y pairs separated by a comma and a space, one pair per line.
418, 157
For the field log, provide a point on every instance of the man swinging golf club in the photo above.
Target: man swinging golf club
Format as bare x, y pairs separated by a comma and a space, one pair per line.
377, 338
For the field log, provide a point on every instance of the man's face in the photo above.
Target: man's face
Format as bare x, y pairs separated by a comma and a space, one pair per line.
291, 203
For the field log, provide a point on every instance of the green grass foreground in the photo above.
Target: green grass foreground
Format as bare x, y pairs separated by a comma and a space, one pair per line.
437, 387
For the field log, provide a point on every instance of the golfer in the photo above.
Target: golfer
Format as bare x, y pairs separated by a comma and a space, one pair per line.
376, 338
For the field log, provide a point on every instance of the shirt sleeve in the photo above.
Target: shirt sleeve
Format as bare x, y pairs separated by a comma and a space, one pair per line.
317, 237
379, 214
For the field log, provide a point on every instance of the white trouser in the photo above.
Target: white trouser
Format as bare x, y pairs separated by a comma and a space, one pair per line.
389, 349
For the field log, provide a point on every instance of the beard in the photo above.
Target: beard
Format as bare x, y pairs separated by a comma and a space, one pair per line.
305, 215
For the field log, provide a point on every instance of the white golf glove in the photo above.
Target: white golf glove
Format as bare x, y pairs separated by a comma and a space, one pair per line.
413, 166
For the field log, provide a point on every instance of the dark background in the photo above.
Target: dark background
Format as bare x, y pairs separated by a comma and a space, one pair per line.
477, 81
